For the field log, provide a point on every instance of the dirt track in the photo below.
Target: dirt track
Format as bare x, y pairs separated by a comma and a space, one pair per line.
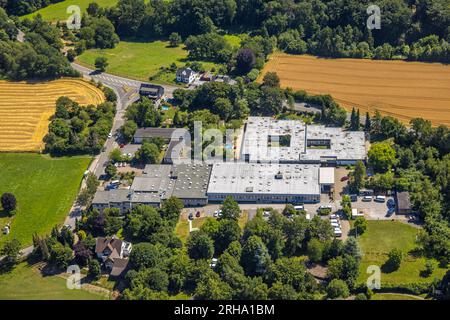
401, 89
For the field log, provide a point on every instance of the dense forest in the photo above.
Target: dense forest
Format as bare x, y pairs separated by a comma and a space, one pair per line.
410, 29
39, 56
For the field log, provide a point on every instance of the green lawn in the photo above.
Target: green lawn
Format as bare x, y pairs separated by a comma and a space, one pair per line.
394, 296
45, 189
379, 239
141, 59
58, 11
26, 283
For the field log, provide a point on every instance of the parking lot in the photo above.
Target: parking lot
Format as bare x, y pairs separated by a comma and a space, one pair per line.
374, 210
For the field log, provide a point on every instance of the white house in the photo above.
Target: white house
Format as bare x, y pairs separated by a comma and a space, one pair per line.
186, 75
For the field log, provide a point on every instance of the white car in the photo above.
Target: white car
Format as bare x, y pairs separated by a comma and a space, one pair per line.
334, 216
367, 198
380, 199
110, 135
308, 216
334, 221
335, 225
216, 214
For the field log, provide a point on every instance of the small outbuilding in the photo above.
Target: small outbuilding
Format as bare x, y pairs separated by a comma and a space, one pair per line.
326, 178
151, 91
403, 202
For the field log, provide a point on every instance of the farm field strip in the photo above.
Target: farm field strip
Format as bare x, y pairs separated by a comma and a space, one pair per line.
405, 90
26, 108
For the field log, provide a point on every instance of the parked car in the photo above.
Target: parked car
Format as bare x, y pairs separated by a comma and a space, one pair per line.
353, 197
367, 198
380, 199
191, 216
299, 207
110, 135
344, 178
216, 214
198, 214
334, 216
391, 203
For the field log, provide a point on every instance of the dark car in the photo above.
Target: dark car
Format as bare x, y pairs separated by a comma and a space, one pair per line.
353, 197
344, 178
391, 203
197, 214
191, 216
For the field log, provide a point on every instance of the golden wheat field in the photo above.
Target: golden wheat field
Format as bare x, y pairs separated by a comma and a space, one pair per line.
405, 90
26, 108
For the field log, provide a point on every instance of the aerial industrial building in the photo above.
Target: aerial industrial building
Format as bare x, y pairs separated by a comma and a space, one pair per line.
265, 183
292, 141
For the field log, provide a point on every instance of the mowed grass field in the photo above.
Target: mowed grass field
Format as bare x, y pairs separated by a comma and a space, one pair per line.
401, 89
26, 283
139, 59
45, 189
383, 236
26, 108
58, 11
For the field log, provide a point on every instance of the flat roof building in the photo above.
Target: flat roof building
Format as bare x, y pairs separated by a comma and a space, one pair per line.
151, 91
403, 203
266, 183
292, 141
188, 182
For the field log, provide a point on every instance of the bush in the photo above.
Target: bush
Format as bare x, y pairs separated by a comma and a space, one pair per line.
337, 289
360, 225
430, 266
394, 261
360, 296
94, 269
253, 74
9, 202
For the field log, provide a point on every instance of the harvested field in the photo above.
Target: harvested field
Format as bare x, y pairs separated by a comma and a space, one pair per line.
405, 90
26, 108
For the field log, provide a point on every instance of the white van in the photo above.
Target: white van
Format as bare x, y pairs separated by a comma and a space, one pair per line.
380, 199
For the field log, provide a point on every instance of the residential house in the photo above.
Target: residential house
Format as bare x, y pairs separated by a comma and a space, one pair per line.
113, 252
186, 75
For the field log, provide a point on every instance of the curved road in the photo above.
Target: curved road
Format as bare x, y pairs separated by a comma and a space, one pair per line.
127, 91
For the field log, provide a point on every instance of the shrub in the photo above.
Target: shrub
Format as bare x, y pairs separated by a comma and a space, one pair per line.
394, 261
337, 289
360, 225
9, 202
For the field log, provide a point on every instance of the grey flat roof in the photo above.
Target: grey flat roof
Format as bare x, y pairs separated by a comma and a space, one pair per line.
403, 201
256, 178
165, 133
344, 145
192, 180
112, 196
